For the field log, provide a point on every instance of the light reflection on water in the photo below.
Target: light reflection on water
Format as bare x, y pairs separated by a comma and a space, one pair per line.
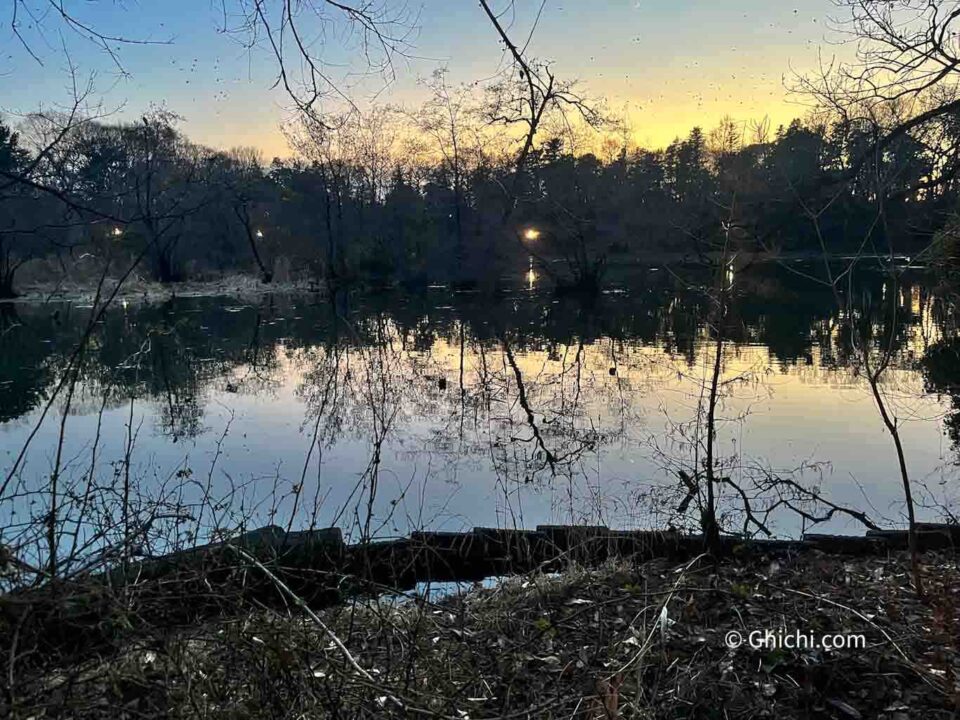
446, 412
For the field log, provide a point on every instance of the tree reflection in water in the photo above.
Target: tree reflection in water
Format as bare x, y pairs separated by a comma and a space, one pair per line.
404, 403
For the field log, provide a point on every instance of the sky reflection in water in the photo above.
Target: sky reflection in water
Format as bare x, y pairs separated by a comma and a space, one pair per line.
457, 414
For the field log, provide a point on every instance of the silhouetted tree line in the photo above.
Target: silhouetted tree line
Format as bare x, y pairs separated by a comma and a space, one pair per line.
381, 201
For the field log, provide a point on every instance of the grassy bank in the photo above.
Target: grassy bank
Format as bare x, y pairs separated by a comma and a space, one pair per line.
622, 641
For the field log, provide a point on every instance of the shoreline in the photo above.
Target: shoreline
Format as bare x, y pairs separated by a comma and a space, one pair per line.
242, 285
152, 292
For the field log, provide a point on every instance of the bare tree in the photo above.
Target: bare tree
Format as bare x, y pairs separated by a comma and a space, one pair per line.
902, 86
446, 118
296, 33
525, 95
907, 56
245, 187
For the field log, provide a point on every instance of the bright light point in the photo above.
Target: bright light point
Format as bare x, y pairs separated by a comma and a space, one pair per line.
532, 234
260, 234
117, 232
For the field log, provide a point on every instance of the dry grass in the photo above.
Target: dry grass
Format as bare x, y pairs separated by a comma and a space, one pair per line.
617, 642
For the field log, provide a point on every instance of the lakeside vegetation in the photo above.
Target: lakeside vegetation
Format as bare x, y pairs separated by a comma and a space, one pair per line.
609, 643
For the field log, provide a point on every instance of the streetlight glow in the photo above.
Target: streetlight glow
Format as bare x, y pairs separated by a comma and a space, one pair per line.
531, 234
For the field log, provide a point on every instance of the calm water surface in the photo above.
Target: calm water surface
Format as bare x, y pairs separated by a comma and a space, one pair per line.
383, 414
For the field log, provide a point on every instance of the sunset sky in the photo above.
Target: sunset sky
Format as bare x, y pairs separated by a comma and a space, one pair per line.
666, 65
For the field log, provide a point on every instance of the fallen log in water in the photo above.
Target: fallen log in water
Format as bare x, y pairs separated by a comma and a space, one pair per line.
184, 587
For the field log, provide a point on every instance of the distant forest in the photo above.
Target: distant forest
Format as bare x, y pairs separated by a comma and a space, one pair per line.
436, 196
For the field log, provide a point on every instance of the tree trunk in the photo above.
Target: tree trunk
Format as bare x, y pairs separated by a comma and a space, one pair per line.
708, 517
891, 425
6, 284
244, 217
7, 270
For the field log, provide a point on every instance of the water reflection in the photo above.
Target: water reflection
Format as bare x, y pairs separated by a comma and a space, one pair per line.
531, 277
385, 413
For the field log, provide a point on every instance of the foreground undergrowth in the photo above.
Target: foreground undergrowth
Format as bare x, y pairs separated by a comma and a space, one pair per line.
621, 641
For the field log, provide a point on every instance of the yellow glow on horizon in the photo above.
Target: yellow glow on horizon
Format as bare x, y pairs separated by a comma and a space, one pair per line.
651, 123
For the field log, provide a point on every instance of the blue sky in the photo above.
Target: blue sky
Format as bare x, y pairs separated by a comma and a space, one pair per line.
666, 64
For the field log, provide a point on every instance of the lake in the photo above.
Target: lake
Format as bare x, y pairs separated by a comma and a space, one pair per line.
390, 412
